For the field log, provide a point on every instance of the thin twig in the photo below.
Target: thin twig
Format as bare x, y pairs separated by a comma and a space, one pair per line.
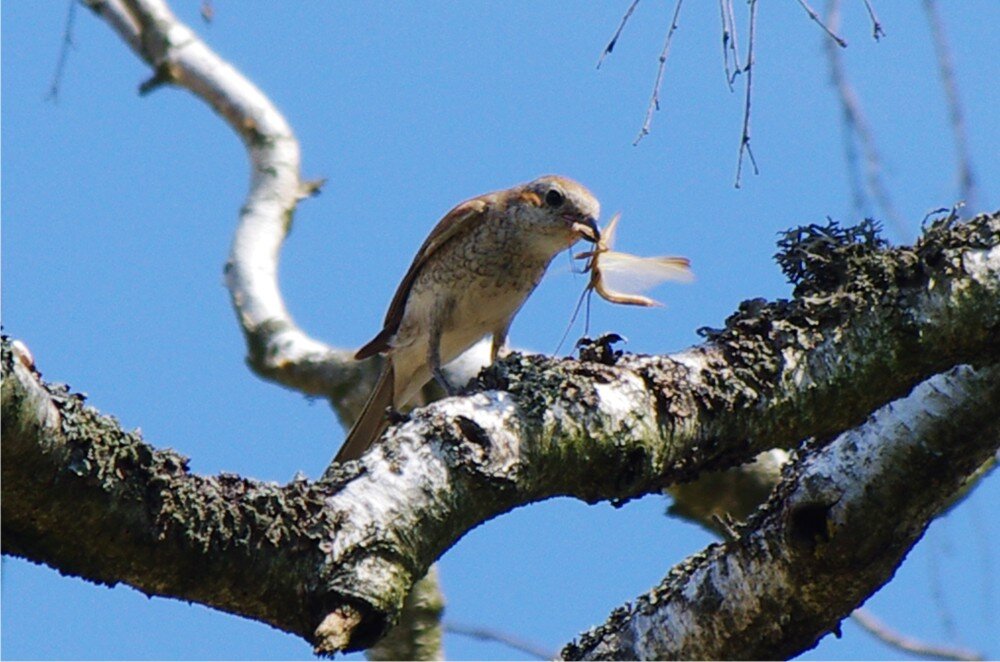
729, 45
614, 40
815, 17
877, 30
737, 67
64, 49
488, 634
966, 178
856, 128
745, 137
725, 42
654, 101
884, 633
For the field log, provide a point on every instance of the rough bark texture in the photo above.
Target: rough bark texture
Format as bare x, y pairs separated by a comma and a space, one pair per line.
335, 559
88, 498
835, 529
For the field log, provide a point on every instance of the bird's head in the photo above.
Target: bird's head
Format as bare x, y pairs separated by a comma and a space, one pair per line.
566, 206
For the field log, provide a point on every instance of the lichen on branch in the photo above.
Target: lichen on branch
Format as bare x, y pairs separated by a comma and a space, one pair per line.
345, 550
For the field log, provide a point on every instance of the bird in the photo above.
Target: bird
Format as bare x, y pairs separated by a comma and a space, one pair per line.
469, 279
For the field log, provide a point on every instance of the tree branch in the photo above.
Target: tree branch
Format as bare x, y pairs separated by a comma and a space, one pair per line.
837, 39
334, 559
93, 500
836, 529
277, 349
618, 33
748, 88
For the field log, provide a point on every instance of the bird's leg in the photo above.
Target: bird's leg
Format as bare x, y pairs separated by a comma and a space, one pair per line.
434, 356
499, 340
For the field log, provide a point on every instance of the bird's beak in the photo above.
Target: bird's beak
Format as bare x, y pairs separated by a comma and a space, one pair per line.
586, 228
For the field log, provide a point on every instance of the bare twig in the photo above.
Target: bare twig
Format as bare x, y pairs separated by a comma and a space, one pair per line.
730, 48
64, 48
489, 634
654, 101
884, 633
857, 131
877, 30
966, 178
815, 17
614, 39
748, 68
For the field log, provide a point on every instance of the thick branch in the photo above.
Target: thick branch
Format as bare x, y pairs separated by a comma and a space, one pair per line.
867, 325
836, 529
85, 496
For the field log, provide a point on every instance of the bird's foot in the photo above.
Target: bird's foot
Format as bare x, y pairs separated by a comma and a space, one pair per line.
443, 382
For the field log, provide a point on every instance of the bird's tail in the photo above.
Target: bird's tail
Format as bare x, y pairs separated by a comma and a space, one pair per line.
372, 421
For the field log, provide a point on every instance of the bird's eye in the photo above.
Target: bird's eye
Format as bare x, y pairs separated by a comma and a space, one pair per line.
554, 198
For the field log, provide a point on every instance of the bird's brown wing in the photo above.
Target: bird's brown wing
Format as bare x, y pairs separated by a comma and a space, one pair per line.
452, 225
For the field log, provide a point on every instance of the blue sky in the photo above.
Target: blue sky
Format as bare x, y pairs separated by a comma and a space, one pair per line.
118, 212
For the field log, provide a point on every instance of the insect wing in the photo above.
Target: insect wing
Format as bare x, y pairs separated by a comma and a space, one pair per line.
628, 275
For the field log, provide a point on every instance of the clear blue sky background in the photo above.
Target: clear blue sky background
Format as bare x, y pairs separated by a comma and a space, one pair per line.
118, 212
